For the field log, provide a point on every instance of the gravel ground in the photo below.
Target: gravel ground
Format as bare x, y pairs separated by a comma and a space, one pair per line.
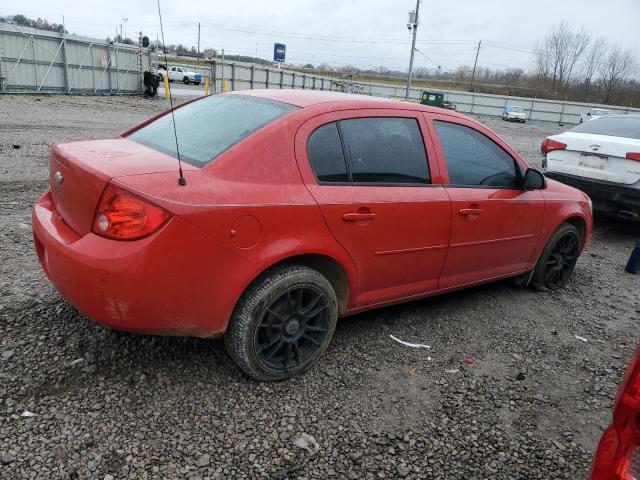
506, 392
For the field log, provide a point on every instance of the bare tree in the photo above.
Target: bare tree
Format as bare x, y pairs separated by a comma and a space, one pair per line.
543, 59
592, 62
576, 45
558, 54
513, 75
615, 69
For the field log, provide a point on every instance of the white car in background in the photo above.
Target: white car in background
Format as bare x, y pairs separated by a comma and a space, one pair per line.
513, 113
593, 114
602, 158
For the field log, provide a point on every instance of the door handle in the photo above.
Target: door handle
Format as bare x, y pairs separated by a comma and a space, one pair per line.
466, 212
358, 217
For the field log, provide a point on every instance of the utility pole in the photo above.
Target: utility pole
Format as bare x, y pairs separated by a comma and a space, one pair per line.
413, 24
198, 42
124, 20
473, 75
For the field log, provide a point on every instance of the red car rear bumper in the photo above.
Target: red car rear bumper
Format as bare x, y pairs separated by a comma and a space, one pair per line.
169, 283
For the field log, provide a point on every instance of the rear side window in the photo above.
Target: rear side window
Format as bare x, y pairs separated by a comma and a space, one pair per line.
325, 154
613, 125
385, 150
473, 159
208, 127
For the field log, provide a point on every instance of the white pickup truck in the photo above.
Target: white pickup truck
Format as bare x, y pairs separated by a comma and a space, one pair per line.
180, 74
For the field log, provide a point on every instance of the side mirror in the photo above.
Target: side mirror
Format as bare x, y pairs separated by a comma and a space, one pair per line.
534, 180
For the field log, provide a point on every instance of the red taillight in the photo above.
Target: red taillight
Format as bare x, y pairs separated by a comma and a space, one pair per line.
634, 156
618, 454
549, 145
124, 216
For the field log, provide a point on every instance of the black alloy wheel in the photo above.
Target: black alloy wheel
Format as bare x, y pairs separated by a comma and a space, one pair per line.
561, 261
282, 323
292, 328
558, 259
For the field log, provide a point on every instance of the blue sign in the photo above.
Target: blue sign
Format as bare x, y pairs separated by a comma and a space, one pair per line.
279, 50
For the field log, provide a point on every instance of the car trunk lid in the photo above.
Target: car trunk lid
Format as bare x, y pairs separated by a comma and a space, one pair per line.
599, 157
79, 171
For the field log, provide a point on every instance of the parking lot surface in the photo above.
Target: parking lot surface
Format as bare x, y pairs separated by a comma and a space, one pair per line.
517, 384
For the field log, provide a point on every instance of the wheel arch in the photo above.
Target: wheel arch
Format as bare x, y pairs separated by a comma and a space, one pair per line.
330, 268
342, 277
580, 224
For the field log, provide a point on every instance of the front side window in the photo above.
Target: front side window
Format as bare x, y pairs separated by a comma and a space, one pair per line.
473, 159
208, 127
385, 150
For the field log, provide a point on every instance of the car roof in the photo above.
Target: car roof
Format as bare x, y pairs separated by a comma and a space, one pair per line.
307, 98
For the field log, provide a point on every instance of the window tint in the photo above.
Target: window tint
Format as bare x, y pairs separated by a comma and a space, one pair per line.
325, 154
614, 125
473, 159
385, 150
208, 127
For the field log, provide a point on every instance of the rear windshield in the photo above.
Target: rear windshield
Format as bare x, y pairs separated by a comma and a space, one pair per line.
208, 127
613, 125
516, 109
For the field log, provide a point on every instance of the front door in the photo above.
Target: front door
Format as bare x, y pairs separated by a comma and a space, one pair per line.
379, 191
495, 223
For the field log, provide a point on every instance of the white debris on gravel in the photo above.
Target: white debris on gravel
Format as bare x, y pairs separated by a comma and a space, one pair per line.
408, 344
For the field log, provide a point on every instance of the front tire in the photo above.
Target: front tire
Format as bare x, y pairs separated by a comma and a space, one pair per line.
282, 323
558, 259
185, 80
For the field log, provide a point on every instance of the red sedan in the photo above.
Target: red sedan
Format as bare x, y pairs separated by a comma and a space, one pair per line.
299, 207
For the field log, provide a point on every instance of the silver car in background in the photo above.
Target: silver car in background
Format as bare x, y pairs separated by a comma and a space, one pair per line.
514, 113
593, 114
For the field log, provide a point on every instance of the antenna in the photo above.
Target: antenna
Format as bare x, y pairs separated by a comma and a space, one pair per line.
181, 179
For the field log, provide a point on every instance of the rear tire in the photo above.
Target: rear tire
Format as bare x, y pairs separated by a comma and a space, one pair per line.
282, 323
558, 259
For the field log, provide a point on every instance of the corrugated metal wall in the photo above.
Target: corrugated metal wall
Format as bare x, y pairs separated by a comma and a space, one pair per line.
38, 61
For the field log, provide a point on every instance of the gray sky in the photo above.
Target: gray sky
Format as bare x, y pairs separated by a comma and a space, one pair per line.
366, 33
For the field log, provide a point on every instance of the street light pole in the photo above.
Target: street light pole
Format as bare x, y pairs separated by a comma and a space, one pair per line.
412, 25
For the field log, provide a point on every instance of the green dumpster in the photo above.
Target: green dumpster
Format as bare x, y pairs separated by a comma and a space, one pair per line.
433, 99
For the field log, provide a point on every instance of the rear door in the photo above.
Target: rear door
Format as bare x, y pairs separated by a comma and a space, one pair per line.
375, 178
495, 224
